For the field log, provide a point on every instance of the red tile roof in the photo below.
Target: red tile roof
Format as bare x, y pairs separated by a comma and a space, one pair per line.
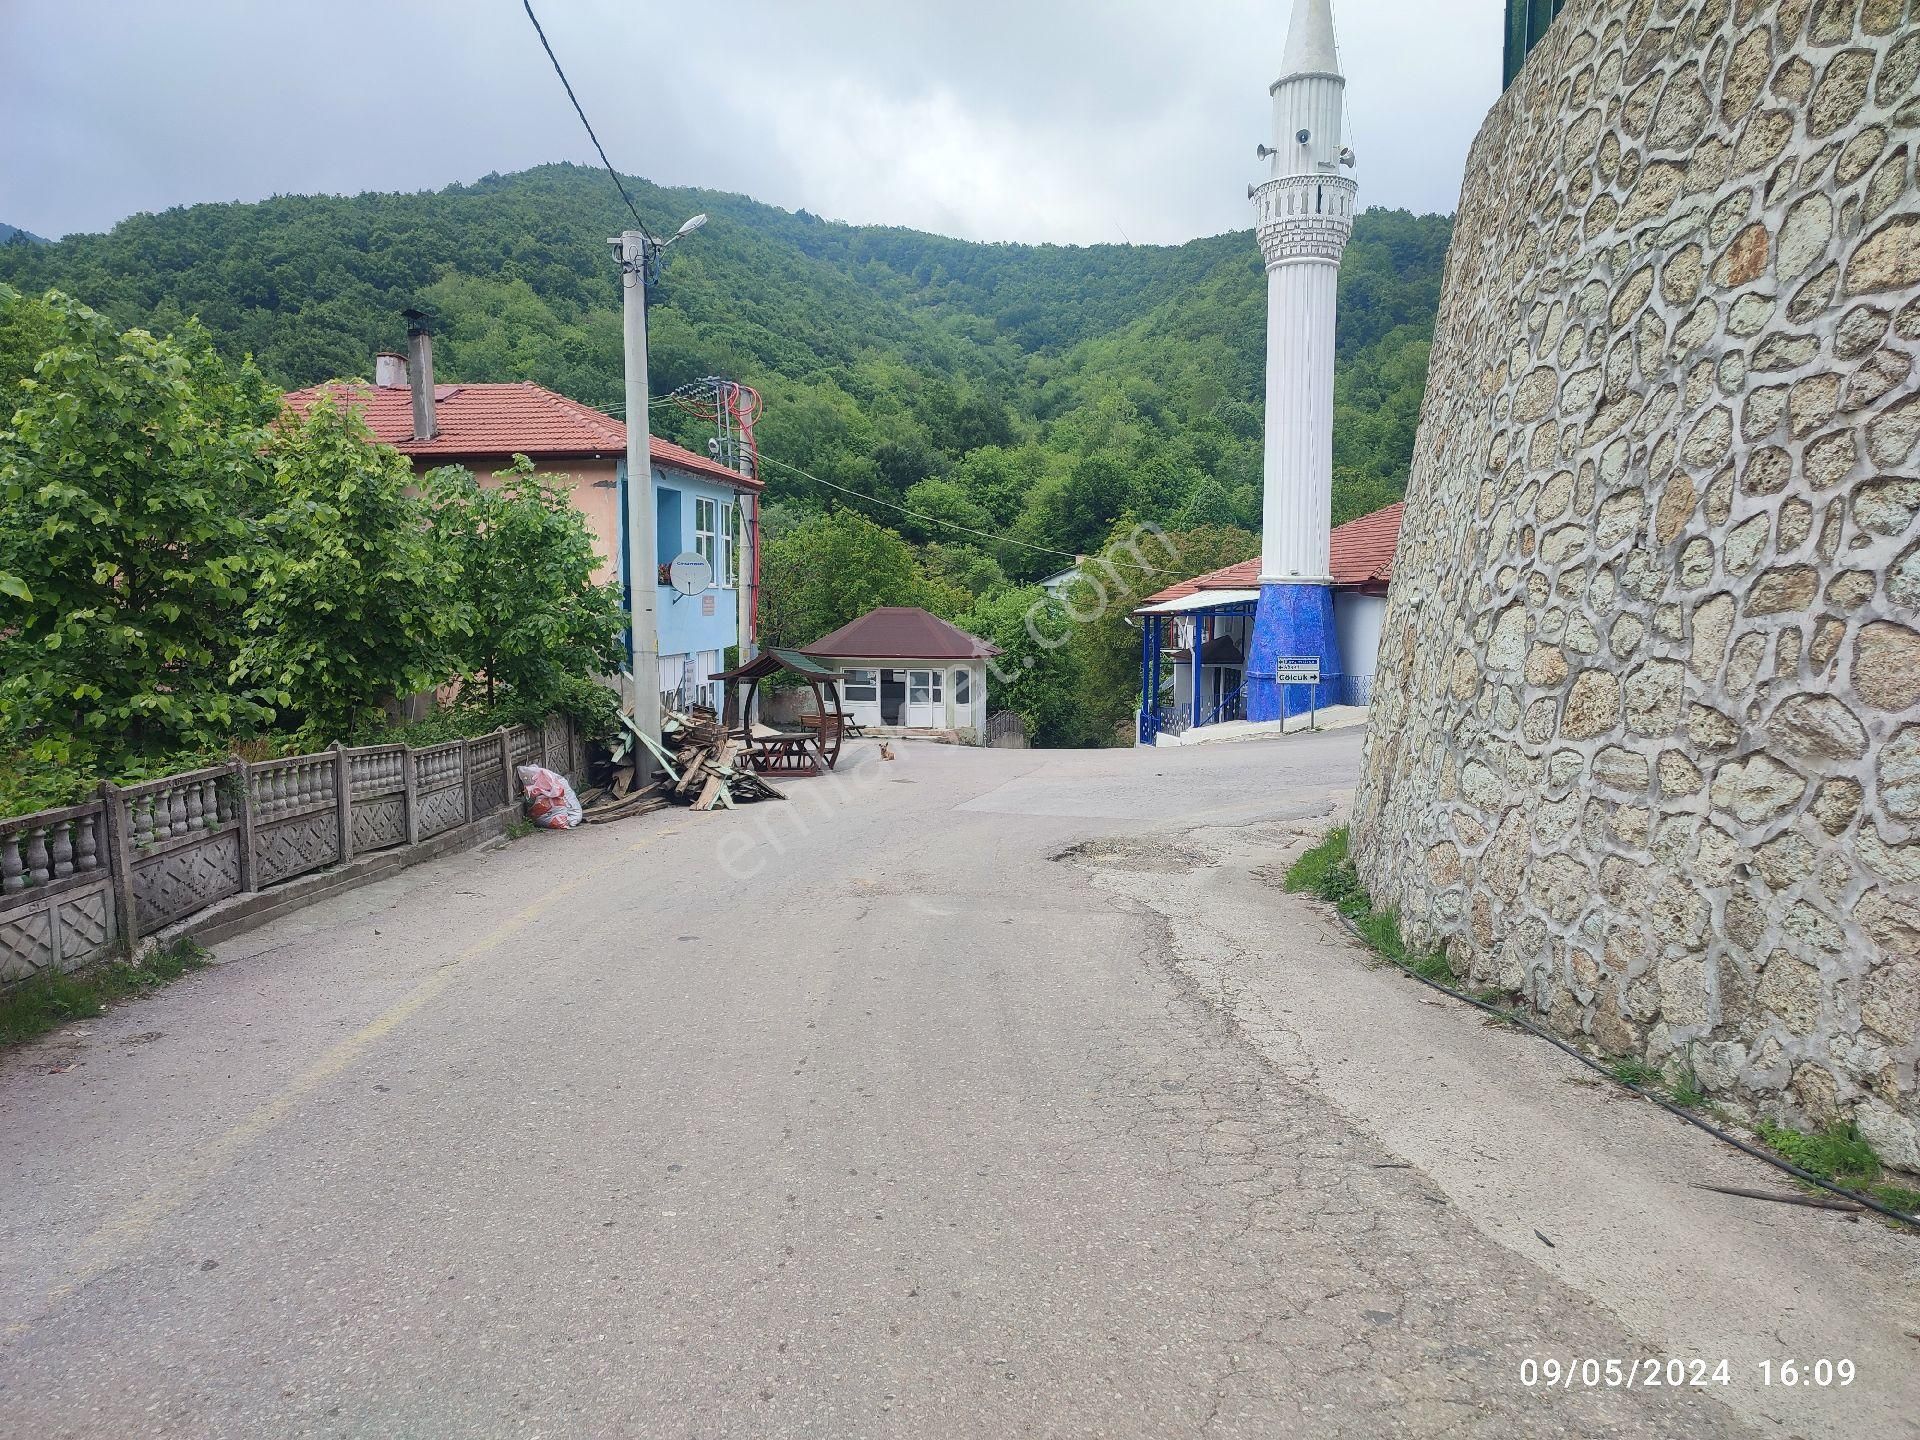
900, 632
1360, 552
494, 421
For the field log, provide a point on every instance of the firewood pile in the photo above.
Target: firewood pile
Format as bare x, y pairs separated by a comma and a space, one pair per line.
710, 767
701, 766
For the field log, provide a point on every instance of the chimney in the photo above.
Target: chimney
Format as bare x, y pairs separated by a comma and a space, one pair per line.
390, 370
420, 372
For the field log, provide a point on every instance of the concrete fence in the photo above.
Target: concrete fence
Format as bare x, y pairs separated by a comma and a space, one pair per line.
82, 881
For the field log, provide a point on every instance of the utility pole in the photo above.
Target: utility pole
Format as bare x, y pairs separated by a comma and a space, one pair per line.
639, 253
642, 545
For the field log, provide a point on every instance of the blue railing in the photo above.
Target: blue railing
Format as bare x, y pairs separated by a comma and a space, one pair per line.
1166, 720
1231, 707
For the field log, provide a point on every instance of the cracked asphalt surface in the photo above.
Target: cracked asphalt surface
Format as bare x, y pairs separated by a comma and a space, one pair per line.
867, 1115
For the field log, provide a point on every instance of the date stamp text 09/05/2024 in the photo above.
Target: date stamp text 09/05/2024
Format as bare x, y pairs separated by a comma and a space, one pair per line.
1649, 1372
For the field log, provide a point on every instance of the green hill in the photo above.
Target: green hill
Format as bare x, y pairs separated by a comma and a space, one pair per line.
14, 235
1038, 392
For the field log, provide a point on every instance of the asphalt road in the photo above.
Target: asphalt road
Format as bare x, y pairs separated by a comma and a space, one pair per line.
871, 1114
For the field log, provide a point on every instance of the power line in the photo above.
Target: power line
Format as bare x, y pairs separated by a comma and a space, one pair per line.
930, 519
618, 182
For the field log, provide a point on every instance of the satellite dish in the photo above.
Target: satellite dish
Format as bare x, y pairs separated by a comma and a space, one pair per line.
690, 572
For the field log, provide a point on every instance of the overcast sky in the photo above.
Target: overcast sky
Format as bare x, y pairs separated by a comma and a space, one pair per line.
1063, 120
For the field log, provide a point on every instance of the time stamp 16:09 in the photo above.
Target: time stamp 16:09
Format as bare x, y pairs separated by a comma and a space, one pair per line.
1650, 1372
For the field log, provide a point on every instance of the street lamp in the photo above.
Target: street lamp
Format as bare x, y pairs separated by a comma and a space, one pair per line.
639, 255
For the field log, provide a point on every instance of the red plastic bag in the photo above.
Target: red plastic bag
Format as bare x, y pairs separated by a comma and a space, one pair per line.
551, 802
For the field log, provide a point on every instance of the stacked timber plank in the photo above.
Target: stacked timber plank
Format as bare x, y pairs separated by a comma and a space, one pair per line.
710, 767
622, 800
701, 766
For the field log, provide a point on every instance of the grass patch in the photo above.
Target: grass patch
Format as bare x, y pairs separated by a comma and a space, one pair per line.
49, 1000
1839, 1154
1630, 1071
1432, 966
1899, 1197
1327, 871
1836, 1153
1687, 1094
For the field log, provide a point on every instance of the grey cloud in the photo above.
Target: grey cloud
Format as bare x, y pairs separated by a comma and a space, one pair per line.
1062, 120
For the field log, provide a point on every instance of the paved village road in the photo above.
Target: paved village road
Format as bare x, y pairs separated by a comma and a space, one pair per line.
914, 1131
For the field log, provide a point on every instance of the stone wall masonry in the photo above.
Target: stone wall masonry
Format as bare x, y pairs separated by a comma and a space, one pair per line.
1645, 744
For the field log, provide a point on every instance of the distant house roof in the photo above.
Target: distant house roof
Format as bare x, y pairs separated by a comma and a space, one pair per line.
1360, 555
495, 421
900, 632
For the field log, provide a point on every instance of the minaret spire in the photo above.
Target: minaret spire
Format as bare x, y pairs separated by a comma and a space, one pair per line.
1303, 214
1310, 46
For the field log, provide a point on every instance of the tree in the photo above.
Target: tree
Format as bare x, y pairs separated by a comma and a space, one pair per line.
351, 609
964, 567
885, 357
1037, 674
132, 482
834, 566
532, 625
943, 511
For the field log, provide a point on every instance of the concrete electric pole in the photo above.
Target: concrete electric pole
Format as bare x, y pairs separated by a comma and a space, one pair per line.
638, 254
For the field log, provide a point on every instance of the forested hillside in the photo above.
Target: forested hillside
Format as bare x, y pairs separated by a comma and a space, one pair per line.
1040, 393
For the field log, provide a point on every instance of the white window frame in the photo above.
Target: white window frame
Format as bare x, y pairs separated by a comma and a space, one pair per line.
728, 575
963, 686
706, 536
850, 681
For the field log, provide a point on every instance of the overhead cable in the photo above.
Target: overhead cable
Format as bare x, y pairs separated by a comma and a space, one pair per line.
618, 182
916, 514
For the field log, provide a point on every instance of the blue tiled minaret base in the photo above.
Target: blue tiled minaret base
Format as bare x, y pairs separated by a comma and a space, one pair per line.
1292, 621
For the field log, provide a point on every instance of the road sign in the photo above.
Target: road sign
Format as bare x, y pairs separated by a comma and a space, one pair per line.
1296, 670
690, 572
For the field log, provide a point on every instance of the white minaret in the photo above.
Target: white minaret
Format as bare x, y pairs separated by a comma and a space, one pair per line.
1303, 214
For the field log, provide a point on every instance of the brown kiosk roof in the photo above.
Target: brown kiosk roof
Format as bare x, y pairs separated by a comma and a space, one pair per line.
900, 632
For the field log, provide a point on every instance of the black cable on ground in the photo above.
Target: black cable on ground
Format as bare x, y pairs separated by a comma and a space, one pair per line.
1755, 1151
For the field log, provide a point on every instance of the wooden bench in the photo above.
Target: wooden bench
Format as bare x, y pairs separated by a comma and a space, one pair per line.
789, 752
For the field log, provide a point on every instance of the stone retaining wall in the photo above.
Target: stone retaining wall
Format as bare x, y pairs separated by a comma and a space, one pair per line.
1646, 732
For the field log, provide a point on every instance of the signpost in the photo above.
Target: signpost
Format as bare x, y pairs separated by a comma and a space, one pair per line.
1299, 670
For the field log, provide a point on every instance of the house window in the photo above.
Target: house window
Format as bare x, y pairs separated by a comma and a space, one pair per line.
860, 687
706, 531
963, 687
730, 546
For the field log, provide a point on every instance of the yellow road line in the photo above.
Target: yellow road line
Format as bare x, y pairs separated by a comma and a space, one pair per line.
103, 1249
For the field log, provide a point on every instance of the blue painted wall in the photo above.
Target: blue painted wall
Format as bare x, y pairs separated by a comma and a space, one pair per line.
685, 626
1292, 620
